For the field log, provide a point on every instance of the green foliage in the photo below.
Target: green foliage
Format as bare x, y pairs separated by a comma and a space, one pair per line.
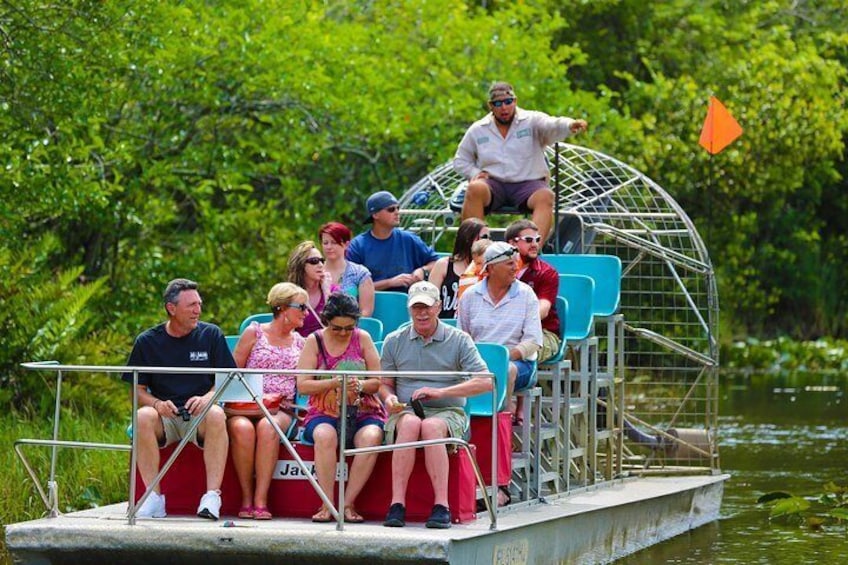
45, 316
825, 356
159, 139
830, 507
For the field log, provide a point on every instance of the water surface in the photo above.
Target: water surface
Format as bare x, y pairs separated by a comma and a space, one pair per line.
786, 433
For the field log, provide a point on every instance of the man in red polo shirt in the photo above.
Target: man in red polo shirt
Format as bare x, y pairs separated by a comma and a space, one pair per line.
541, 277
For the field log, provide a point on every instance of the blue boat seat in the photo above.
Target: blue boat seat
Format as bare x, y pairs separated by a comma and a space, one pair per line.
262, 318
390, 308
373, 326
496, 357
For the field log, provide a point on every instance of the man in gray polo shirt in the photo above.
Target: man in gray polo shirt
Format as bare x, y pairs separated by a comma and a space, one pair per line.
427, 345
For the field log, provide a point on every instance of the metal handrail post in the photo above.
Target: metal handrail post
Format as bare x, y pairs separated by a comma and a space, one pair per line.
131, 506
52, 487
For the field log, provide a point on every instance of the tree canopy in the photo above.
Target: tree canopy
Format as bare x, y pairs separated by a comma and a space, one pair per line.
144, 140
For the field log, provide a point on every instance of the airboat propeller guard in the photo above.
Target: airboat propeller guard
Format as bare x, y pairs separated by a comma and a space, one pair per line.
668, 290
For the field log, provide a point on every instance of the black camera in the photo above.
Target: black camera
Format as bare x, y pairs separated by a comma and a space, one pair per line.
184, 413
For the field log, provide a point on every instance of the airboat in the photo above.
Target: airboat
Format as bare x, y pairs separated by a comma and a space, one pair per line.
620, 447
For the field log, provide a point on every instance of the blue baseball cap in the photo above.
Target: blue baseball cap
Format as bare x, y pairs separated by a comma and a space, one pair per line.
379, 201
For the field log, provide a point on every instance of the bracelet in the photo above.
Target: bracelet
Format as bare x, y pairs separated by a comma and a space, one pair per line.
154, 404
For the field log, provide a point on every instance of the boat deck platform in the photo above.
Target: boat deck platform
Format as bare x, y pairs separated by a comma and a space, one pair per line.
597, 525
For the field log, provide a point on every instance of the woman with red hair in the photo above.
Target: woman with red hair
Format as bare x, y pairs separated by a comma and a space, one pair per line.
351, 278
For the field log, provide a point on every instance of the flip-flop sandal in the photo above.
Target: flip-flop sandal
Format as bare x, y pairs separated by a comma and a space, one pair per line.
352, 516
322, 516
246, 512
262, 513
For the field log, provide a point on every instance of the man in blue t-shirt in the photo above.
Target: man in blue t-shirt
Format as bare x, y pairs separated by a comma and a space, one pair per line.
396, 258
168, 401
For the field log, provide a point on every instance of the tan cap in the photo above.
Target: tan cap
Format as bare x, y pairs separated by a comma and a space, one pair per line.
423, 292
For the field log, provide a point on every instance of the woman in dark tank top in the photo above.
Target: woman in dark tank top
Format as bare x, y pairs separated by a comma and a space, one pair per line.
446, 271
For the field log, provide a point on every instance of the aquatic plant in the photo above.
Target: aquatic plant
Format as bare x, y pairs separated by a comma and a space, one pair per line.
815, 512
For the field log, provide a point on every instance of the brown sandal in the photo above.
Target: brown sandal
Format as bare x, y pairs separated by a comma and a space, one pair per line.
352, 516
322, 516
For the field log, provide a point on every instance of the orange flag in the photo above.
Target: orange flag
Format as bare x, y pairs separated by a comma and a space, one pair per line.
720, 129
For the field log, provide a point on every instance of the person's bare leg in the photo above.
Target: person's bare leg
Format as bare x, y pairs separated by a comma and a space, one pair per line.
477, 197
243, 442
267, 453
362, 465
403, 460
541, 204
216, 443
326, 446
149, 430
436, 458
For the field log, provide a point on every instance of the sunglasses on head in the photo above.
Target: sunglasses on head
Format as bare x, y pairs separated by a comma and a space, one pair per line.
529, 238
505, 101
315, 260
298, 306
505, 253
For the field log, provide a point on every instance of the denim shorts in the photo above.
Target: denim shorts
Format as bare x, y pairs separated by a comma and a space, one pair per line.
309, 428
526, 374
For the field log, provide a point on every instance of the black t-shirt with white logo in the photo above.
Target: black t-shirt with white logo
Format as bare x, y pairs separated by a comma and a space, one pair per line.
205, 346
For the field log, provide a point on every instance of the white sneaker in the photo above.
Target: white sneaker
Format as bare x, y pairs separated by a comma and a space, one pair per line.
210, 505
153, 507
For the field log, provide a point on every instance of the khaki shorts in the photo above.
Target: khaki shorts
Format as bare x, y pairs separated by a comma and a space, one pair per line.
550, 345
454, 416
176, 428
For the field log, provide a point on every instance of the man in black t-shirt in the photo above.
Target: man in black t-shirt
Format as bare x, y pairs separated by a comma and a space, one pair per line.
167, 401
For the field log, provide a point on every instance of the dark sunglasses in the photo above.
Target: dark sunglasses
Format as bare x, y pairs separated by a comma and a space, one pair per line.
341, 329
391, 209
316, 260
505, 101
301, 307
483, 236
529, 238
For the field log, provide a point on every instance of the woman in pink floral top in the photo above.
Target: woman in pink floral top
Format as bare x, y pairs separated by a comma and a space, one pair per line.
254, 444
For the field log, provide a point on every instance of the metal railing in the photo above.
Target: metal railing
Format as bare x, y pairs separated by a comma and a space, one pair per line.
50, 497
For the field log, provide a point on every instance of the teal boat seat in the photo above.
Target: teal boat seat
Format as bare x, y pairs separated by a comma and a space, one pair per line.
261, 318
496, 357
604, 270
390, 308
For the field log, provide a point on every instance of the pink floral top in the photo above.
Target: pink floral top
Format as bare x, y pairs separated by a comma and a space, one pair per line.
267, 356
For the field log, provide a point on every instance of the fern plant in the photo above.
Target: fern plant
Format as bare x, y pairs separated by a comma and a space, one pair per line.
45, 311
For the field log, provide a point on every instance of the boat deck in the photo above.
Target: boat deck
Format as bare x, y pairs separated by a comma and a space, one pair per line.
594, 526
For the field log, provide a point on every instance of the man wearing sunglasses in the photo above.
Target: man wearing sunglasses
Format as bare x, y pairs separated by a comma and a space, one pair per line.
540, 276
501, 309
396, 258
503, 157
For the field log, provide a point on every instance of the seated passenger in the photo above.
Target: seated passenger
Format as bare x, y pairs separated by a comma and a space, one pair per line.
254, 442
341, 346
169, 401
306, 270
501, 309
474, 273
448, 270
541, 277
346, 276
396, 258
427, 345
